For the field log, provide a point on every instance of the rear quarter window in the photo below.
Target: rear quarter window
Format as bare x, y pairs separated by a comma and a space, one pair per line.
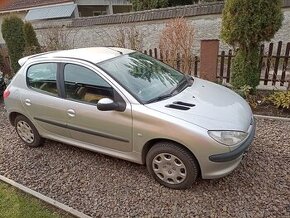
42, 77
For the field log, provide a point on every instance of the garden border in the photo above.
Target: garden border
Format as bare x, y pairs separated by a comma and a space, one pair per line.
271, 117
44, 198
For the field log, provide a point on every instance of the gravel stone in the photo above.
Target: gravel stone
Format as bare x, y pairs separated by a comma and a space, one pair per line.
99, 185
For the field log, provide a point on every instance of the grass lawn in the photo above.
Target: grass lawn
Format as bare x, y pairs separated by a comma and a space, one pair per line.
15, 204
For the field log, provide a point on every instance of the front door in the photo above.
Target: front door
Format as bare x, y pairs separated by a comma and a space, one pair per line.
109, 129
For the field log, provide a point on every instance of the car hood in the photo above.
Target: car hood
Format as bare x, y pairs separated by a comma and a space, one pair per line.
215, 107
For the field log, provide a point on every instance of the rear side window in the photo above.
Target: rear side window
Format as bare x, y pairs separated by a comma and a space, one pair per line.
42, 77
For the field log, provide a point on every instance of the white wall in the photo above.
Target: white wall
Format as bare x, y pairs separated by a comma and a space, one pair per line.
206, 27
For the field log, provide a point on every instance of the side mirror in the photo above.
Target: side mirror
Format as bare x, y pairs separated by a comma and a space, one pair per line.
106, 104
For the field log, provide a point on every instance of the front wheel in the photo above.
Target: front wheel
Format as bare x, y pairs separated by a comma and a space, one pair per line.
27, 132
172, 165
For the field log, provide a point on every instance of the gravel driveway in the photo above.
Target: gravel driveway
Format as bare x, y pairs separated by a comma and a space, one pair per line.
102, 186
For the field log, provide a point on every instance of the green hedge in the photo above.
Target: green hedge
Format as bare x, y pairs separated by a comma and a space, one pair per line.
12, 32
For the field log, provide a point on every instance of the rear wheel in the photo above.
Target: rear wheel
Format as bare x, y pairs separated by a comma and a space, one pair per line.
27, 131
172, 165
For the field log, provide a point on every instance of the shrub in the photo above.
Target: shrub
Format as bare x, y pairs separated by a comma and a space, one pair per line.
12, 32
181, 2
2, 64
57, 38
246, 69
245, 92
280, 99
1, 61
151, 4
128, 37
176, 43
120, 36
148, 4
31, 42
245, 24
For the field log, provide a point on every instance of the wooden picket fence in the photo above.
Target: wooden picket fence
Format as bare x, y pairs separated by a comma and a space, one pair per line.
274, 66
178, 63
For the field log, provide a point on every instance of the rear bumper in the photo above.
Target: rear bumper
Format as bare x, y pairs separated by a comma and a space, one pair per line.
230, 156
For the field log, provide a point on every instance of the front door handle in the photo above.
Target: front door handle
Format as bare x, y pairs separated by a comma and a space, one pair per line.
71, 113
28, 102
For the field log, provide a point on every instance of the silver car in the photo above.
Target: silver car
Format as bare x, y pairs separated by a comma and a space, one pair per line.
128, 105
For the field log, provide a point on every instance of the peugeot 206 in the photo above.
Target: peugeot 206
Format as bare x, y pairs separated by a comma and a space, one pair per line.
128, 105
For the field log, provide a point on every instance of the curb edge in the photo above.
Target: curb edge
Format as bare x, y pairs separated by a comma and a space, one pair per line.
272, 117
44, 198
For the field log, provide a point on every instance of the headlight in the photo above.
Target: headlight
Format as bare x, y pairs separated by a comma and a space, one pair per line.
228, 138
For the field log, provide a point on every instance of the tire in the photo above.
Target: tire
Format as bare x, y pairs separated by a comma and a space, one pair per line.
172, 166
27, 132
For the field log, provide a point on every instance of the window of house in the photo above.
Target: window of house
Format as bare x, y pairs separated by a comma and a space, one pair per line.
85, 85
98, 13
42, 77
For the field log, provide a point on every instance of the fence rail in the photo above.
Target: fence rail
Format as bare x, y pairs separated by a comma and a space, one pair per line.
225, 65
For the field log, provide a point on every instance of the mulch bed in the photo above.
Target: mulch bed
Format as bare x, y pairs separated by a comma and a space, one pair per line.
266, 108
270, 110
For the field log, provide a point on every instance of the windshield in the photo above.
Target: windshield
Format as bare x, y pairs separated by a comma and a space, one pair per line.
144, 77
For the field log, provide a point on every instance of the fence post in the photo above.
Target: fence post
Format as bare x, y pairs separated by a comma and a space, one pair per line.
209, 59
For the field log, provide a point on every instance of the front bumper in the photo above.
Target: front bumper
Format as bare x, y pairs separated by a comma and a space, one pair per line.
232, 155
220, 165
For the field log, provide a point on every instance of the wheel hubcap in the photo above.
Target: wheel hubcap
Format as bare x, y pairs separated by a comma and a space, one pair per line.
25, 131
169, 168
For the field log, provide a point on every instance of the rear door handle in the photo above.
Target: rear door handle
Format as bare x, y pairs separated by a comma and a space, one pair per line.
28, 102
71, 113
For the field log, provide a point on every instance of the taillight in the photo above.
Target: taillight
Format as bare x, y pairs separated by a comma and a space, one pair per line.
6, 94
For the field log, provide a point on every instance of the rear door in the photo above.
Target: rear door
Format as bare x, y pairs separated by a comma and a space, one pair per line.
42, 98
83, 88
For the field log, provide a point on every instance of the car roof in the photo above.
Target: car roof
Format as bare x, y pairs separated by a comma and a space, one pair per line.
93, 54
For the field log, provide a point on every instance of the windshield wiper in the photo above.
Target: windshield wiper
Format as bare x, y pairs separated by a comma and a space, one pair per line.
159, 98
184, 83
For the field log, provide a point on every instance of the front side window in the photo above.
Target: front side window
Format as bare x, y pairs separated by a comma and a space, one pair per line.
144, 77
42, 77
85, 85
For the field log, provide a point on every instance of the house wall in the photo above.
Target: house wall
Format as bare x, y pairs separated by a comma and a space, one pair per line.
86, 7
88, 11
